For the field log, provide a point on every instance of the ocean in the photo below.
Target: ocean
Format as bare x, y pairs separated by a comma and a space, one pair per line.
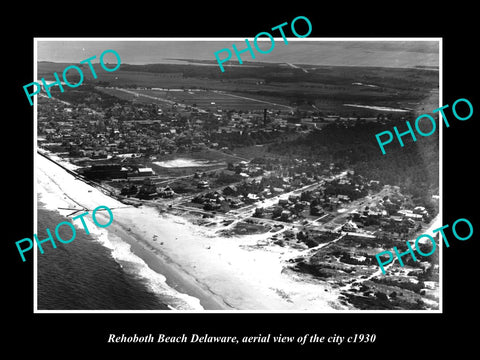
386, 53
83, 274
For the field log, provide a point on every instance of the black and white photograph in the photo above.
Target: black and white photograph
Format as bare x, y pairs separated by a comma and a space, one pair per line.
253, 186
213, 180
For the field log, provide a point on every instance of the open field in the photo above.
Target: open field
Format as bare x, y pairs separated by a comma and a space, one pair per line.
203, 99
323, 88
173, 165
211, 100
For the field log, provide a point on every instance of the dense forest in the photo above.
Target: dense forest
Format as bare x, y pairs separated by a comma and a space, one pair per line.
414, 167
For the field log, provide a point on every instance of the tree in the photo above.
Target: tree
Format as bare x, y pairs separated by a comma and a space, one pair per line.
129, 190
258, 212
306, 196
277, 211
381, 296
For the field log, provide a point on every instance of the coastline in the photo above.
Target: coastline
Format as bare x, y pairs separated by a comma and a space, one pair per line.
219, 273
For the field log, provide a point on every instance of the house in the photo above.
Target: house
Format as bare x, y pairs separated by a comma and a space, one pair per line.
294, 198
102, 172
355, 215
230, 190
344, 198
420, 210
285, 215
166, 192
258, 212
236, 203
350, 226
373, 214
282, 202
300, 206
211, 206
334, 204
145, 172
316, 210
266, 192
219, 199
410, 214
410, 222
203, 184
396, 219
213, 195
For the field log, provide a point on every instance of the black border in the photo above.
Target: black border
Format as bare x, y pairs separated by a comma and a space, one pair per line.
407, 333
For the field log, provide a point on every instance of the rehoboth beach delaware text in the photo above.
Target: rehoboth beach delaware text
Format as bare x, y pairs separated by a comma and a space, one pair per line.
260, 338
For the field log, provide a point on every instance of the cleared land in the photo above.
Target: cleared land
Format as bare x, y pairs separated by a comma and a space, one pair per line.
203, 99
323, 88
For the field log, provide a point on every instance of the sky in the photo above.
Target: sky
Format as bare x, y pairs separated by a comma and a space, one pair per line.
312, 51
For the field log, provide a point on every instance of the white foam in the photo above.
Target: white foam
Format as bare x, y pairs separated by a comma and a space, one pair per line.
53, 183
122, 253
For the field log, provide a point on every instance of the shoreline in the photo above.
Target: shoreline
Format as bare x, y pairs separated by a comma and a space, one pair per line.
174, 278
222, 273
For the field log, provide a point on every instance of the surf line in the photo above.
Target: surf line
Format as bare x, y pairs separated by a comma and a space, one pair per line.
67, 223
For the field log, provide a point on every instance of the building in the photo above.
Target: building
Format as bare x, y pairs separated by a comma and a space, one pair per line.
145, 172
350, 226
203, 184
102, 172
166, 192
230, 190
285, 215
410, 214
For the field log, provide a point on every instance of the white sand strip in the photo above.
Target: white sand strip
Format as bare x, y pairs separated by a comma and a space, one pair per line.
217, 270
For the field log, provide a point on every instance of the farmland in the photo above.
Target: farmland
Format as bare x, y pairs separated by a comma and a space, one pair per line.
323, 88
202, 99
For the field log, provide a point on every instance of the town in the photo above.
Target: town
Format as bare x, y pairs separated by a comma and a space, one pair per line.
183, 152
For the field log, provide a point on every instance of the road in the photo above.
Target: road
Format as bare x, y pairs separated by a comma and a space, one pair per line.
168, 181
297, 67
251, 99
356, 205
170, 102
148, 96
241, 214
245, 212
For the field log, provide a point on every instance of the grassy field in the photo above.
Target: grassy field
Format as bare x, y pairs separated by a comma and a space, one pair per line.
211, 100
202, 99
328, 88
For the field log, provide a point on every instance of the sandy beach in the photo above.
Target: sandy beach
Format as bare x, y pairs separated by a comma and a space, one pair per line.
201, 270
